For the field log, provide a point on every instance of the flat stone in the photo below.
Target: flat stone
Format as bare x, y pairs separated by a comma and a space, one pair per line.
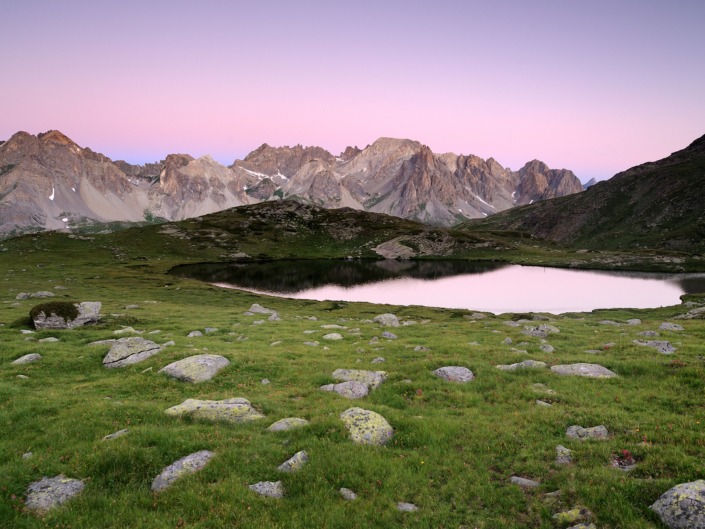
665, 326
333, 327
60, 288
48, 340
22, 295
294, 464
650, 334
26, 359
406, 507
534, 331
268, 489
596, 432
347, 494
115, 435
635, 321
547, 348
127, 329
507, 341
421, 348
350, 390
289, 423
274, 317
27, 455
194, 334
522, 482
593, 351
572, 515
248, 313
233, 410
265, 381
583, 370
682, 506
543, 403
210, 330
609, 322
588, 525
312, 344
367, 427
454, 374
42, 294
22, 376
511, 324
550, 329
256, 308
49, 493
197, 368
275, 343
387, 320
332, 336
373, 379
25, 331
154, 332
660, 345
130, 307
377, 360
409, 322
186, 465
389, 336
128, 351
88, 314
563, 455
525, 364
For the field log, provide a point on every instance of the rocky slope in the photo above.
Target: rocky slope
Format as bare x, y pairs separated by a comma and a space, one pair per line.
654, 205
49, 182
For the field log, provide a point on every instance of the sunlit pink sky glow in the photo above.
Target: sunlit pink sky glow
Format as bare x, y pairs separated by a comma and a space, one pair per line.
595, 87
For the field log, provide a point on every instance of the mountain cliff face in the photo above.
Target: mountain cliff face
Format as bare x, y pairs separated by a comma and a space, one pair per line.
49, 182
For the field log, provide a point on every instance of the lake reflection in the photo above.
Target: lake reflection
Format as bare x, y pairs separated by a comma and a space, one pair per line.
490, 287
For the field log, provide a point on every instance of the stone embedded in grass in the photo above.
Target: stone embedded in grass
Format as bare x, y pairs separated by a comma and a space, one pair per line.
65, 314
289, 423
130, 307
128, 351
186, 465
389, 336
563, 455
454, 374
25, 331
48, 340
373, 379
534, 331
26, 359
127, 329
650, 334
543, 403
635, 321
194, 334
256, 308
347, 494
294, 464
274, 317
476, 316
609, 322
550, 329
507, 341
588, 525
22, 376
522, 482
421, 348
511, 324
387, 320
596, 432
49, 493
268, 489
332, 327
665, 326
525, 364
197, 368
406, 507
275, 343
332, 336
682, 506
312, 344
378, 360
572, 515
229, 410
350, 390
265, 381
583, 370
115, 435
367, 427
547, 348
660, 345
210, 330
27, 455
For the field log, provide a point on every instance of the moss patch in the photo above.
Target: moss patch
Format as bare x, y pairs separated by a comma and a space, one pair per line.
64, 309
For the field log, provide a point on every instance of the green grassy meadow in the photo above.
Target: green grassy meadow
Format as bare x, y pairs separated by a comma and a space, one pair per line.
455, 446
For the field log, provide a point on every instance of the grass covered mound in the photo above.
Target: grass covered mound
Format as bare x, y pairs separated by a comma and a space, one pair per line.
63, 309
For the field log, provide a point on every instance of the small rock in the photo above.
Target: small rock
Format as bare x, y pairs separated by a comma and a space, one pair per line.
25, 331
312, 344
389, 336
588, 525
524, 482
547, 348
665, 326
660, 345
387, 320
258, 322
421, 348
585, 370
511, 324
373, 379
194, 334
609, 322
294, 464
265, 381
26, 359
229, 410
507, 341
682, 506
210, 330
48, 340
313, 318
154, 332
572, 515
454, 374
274, 317
129, 307
287, 424
650, 334
406, 507
377, 360
169, 343
248, 313
186, 465
275, 343
347, 494
194, 369
538, 317
128, 351
127, 329
635, 321
525, 364
259, 309
350, 390
332, 327
534, 331
367, 427
268, 489
563, 455
115, 435
49, 493
22, 376
596, 432
543, 403
27, 455
332, 336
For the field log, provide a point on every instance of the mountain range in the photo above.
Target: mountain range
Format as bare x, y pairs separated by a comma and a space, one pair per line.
47, 181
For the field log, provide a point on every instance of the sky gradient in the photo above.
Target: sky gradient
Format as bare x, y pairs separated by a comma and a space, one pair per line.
594, 87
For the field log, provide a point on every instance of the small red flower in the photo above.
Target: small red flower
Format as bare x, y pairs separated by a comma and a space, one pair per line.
418, 392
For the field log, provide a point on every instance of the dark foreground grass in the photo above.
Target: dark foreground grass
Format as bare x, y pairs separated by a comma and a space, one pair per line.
454, 448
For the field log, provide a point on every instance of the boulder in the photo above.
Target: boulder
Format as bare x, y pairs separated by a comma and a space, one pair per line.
256, 308
609, 322
186, 465
682, 506
389, 336
49, 493
660, 345
454, 374
525, 364
547, 348
387, 320
563, 455
511, 324
692, 314
545, 327
635, 321
665, 326
373, 379
406, 507
294, 464
650, 334
197, 368
65, 314
378, 360
367, 427
534, 331
194, 334
229, 410
26, 359
128, 351
268, 489
347, 494
507, 341
522, 482
583, 370
332, 336
289, 423
349, 390
596, 432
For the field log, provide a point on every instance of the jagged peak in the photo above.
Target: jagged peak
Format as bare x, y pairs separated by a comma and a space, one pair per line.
56, 137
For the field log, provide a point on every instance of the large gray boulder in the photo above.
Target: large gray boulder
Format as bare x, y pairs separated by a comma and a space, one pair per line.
256, 308
289, 423
268, 489
683, 506
596, 432
350, 390
233, 410
128, 351
49, 493
65, 315
454, 374
660, 345
373, 379
26, 359
583, 370
294, 464
186, 465
367, 427
666, 326
387, 320
197, 368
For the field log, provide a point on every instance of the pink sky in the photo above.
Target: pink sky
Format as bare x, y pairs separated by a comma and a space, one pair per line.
593, 87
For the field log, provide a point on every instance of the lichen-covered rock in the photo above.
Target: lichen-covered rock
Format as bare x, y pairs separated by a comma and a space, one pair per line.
350, 390
572, 515
634, 321
511, 324
683, 506
609, 322
543, 403
268, 489
563, 455
294, 464
26, 359
596, 432
373, 379
347, 494
65, 315
534, 331
287, 424
229, 410
545, 327
523, 482
367, 427
660, 345
378, 360
186, 465
197, 368
525, 364
583, 370
650, 334
51, 339
507, 341
389, 335
547, 348
406, 507
387, 320
104, 342
49, 493
194, 334
665, 326
128, 351
454, 374
332, 336
588, 525
115, 435
256, 308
